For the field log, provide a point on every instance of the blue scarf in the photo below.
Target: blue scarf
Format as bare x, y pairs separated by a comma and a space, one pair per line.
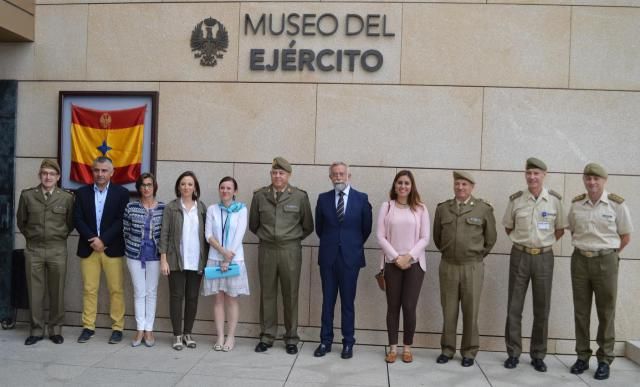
233, 207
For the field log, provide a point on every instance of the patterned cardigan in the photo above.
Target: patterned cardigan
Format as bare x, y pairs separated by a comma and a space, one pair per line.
133, 227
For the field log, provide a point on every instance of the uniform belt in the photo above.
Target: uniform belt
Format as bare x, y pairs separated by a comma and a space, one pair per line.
596, 253
533, 250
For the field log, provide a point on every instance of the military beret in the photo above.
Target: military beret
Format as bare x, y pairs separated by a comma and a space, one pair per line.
463, 175
533, 162
51, 164
281, 163
593, 169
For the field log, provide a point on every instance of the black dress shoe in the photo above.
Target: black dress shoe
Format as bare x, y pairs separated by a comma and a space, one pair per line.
57, 339
116, 337
443, 359
291, 349
579, 367
322, 350
32, 340
511, 362
602, 372
347, 351
538, 365
467, 362
86, 335
262, 347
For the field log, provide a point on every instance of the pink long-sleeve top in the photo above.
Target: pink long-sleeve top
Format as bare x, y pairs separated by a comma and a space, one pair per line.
403, 231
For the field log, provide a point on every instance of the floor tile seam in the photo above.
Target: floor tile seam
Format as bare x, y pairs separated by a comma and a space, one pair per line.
135, 369
484, 374
293, 364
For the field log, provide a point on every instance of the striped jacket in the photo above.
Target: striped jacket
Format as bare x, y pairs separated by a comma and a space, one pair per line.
133, 227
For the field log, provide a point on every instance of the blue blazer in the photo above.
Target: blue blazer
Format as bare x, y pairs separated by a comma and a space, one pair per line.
348, 236
84, 219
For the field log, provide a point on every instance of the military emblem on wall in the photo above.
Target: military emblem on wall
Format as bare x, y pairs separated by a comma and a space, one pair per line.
207, 46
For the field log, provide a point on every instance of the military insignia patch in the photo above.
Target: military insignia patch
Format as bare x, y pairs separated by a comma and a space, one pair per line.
208, 48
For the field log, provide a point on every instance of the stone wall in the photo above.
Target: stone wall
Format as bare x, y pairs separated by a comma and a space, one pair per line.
479, 87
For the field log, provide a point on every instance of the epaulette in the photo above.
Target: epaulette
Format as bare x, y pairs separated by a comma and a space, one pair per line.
486, 202
515, 195
445, 202
260, 189
615, 198
554, 193
29, 189
579, 198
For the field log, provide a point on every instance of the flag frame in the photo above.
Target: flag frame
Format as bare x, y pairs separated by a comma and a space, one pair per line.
107, 100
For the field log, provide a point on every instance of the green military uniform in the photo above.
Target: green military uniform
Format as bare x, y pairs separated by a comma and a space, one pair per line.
596, 229
281, 220
465, 233
46, 223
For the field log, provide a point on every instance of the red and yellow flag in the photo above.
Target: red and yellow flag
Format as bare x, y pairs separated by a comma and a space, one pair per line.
116, 134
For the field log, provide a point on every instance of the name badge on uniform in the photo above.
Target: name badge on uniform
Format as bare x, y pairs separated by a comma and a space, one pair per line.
544, 226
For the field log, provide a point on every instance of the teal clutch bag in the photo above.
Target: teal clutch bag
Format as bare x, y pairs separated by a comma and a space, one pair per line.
214, 272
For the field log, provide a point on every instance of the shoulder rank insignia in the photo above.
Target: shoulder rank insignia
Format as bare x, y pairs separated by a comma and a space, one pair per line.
615, 198
445, 202
579, 198
515, 195
554, 193
486, 202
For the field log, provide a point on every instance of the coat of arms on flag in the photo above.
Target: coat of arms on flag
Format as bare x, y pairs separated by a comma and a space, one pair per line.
116, 134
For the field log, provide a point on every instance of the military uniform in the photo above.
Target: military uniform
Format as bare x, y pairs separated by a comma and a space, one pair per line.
596, 229
46, 223
281, 220
533, 223
465, 233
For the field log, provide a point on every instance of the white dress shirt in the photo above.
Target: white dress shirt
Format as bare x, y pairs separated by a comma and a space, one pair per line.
190, 243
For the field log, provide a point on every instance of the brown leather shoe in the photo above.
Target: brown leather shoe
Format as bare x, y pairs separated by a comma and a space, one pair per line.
391, 357
407, 357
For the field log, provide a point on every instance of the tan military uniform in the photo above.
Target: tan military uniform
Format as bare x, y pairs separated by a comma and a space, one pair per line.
46, 224
281, 221
596, 229
465, 235
533, 223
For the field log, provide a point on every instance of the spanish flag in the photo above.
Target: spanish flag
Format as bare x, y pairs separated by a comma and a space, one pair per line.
116, 134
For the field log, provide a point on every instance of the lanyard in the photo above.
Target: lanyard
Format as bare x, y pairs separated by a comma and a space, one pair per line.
224, 225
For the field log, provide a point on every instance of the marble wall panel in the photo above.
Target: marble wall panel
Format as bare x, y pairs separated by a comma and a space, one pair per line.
17, 61
607, 3
604, 53
320, 37
485, 45
236, 122
434, 127
566, 128
61, 42
120, 46
38, 112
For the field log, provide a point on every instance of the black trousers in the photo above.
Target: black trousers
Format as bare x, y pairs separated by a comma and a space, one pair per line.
183, 286
403, 290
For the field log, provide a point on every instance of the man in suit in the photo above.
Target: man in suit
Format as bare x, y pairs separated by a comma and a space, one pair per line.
343, 224
45, 219
97, 215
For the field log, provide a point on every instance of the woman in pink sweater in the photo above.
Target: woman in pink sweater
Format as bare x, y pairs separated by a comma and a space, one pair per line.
403, 234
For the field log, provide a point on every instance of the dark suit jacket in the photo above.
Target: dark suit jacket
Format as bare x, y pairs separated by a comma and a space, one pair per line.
348, 236
84, 219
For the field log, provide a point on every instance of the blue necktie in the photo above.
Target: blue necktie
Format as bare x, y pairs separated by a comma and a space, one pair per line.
340, 208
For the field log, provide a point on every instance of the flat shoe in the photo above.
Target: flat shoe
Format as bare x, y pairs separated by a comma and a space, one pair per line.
150, 342
217, 347
226, 348
189, 341
391, 357
407, 357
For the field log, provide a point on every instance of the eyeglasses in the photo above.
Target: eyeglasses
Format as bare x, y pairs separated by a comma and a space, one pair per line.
150, 185
43, 173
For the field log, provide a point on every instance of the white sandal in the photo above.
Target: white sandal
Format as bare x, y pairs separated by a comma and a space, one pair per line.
177, 344
188, 341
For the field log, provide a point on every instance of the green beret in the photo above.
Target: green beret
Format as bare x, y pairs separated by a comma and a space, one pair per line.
50, 164
593, 169
533, 162
281, 163
463, 175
